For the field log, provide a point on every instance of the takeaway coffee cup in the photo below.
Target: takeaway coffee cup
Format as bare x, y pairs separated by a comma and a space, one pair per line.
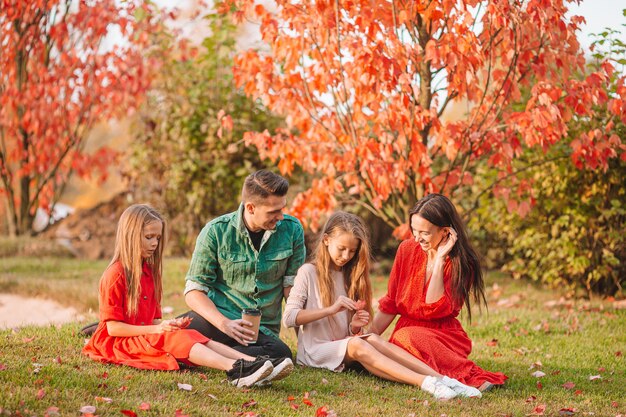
253, 315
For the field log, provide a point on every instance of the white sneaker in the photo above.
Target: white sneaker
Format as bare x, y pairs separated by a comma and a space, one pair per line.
460, 388
437, 388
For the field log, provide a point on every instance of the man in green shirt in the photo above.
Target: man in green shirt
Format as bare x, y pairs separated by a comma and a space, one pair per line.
246, 259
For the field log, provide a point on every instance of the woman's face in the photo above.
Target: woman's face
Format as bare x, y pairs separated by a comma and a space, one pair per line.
427, 234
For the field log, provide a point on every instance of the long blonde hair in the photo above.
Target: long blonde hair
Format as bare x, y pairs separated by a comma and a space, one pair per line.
128, 252
356, 271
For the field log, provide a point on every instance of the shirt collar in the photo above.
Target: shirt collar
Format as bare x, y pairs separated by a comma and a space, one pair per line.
240, 225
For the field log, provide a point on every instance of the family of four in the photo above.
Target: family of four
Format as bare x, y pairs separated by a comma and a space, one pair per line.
254, 257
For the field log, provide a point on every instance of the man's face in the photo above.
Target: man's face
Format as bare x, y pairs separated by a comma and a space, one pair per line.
265, 214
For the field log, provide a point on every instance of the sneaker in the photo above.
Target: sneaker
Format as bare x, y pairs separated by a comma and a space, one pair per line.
438, 389
89, 329
245, 373
460, 388
282, 368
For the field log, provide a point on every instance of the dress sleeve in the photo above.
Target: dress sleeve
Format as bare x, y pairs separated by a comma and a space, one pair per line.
387, 304
112, 294
298, 295
202, 272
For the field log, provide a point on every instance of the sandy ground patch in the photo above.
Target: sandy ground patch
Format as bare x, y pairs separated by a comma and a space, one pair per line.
16, 311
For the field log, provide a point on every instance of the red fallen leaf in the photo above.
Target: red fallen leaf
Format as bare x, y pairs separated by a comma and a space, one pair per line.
539, 385
578, 392
360, 304
531, 399
122, 388
568, 385
129, 413
3, 367
203, 377
341, 394
57, 360
127, 377
41, 393
38, 382
294, 406
291, 398
250, 403
28, 339
105, 375
538, 411
144, 406
614, 404
601, 369
306, 394
497, 354
322, 411
618, 353
180, 413
567, 411
307, 402
555, 372
51, 411
493, 342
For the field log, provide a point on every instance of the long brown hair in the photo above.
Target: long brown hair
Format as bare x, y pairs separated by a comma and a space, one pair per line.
128, 252
467, 274
356, 271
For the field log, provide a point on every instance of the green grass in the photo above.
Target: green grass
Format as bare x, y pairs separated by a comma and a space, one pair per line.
42, 366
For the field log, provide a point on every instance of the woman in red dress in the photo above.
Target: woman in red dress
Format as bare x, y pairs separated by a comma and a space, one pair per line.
131, 331
433, 276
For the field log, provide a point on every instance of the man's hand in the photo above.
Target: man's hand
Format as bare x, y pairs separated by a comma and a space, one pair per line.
238, 330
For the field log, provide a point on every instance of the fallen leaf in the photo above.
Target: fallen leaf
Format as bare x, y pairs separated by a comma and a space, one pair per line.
105, 375
321, 412
493, 342
568, 385
3, 367
185, 387
144, 406
212, 396
250, 403
531, 399
538, 411
614, 404
567, 411
52, 412
104, 400
618, 353
294, 406
594, 377
41, 393
87, 409
538, 374
122, 388
578, 392
307, 402
203, 377
539, 385
291, 398
180, 413
129, 413
57, 360
537, 365
324, 381
28, 339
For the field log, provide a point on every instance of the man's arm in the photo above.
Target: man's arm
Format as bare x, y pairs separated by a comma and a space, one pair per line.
295, 261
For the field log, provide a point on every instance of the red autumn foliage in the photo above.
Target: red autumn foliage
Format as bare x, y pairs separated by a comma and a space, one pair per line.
57, 79
367, 90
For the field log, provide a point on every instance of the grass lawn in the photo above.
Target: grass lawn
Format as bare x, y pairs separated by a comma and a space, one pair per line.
578, 345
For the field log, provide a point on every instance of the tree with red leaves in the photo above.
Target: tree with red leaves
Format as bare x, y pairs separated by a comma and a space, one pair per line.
58, 78
367, 89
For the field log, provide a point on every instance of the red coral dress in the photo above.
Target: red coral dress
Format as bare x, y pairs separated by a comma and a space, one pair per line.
150, 351
430, 332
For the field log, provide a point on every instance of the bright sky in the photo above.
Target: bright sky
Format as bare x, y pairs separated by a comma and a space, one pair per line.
599, 15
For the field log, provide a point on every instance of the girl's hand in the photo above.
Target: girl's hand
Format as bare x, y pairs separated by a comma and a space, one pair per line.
447, 243
167, 326
343, 303
360, 319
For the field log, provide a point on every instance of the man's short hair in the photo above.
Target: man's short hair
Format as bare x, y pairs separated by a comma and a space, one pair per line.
262, 184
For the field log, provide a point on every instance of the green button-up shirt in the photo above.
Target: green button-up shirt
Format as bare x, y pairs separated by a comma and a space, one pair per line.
234, 275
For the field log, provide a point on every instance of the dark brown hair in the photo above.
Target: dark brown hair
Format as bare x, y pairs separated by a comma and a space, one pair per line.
261, 184
467, 274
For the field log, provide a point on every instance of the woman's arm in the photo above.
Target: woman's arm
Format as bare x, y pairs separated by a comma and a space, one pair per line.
436, 286
121, 329
381, 322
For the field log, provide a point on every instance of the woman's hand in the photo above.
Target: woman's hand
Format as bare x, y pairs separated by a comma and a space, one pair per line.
342, 303
447, 243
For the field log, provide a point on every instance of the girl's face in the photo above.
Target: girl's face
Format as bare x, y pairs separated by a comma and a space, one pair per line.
427, 234
341, 248
150, 238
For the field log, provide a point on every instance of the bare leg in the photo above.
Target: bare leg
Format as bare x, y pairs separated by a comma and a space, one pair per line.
401, 356
204, 356
227, 351
378, 364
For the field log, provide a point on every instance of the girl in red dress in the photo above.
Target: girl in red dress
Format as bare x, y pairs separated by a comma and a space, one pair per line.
131, 331
433, 276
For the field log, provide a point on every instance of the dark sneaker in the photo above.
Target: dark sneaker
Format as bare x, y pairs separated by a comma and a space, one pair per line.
89, 329
282, 368
245, 373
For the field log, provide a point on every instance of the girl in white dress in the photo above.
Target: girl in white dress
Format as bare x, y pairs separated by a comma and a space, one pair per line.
331, 303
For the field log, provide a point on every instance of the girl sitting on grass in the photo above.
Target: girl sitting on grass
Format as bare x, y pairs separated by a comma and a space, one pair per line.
331, 302
131, 331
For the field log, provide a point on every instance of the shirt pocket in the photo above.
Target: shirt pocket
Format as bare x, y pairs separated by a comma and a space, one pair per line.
237, 271
275, 265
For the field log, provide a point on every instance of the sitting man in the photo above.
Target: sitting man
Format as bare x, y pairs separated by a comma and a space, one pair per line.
247, 259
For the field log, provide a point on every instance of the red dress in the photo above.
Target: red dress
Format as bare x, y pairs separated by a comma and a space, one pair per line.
430, 332
150, 351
